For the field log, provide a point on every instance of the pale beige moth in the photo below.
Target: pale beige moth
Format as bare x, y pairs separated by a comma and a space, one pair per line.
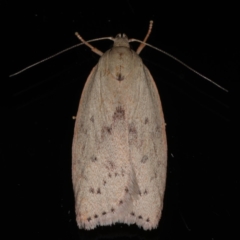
119, 151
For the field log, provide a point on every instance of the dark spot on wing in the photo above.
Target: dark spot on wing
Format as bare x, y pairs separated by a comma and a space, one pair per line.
96, 216
112, 210
110, 175
111, 164
89, 219
144, 159
93, 158
121, 202
120, 77
106, 130
146, 120
158, 131
82, 129
98, 191
132, 129
104, 213
119, 113
145, 192
91, 190
92, 119
104, 182
147, 220
132, 133
132, 213
140, 217
126, 190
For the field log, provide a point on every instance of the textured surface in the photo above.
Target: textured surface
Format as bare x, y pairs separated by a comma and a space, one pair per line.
202, 182
119, 146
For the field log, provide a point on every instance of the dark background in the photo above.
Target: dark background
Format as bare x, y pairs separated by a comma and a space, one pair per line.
200, 196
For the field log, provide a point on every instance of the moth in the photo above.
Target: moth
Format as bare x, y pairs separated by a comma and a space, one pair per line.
119, 150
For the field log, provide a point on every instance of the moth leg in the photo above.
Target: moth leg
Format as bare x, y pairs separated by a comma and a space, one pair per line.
89, 45
142, 45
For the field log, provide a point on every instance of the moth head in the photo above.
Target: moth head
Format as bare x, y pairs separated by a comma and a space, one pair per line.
121, 40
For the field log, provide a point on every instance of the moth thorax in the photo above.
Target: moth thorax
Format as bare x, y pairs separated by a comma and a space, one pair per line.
121, 40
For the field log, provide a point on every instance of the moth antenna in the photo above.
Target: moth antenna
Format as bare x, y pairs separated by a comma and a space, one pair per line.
142, 45
176, 59
58, 53
45, 59
140, 48
97, 51
185, 222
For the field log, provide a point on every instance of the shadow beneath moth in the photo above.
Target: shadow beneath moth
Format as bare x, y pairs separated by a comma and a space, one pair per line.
119, 151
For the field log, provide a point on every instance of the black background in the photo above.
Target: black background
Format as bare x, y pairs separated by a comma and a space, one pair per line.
200, 196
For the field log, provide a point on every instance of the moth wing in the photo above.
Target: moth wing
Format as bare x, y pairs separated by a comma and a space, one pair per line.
100, 134
148, 146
